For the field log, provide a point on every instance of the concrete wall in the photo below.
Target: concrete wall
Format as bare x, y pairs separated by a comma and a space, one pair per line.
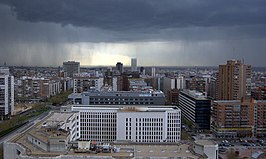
12, 150
211, 151
38, 143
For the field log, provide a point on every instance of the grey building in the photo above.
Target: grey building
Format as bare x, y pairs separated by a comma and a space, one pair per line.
118, 98
71, 67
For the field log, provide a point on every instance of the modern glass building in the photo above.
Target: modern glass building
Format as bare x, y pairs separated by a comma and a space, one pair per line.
195, 108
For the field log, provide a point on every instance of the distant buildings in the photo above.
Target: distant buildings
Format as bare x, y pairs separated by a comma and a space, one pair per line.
134, 67
170, 83
172, 97
34, 88
71, 68
136, 124
153, 71
6, 94
234, 81
195, 108
198, 84
118, 98
259, 93
84, 83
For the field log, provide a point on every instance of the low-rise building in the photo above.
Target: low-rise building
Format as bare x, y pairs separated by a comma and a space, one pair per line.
128, 123
55, 133
206, 147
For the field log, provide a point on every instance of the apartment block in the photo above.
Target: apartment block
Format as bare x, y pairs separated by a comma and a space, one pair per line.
239, 118
234, 81
83, 84
198, 84
6, 94
33, 88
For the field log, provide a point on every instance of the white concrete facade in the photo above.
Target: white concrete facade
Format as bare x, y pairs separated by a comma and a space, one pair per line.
206, 147
155, 125
107, 124
6, 95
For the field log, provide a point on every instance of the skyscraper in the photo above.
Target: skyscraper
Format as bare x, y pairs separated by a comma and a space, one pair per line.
119, 67
6, 93
234, 81
71, 67
134, 65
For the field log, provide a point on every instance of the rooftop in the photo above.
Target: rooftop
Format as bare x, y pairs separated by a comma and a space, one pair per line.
123, 93
194, 94
205, 142
141, 108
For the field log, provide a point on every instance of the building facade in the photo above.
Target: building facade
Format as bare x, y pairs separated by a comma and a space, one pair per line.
234, 81
118, 98
198, 84
170, 83
206, 147
33, 88
83, 84
134, 66
195, 108
119, 67
6, 94
239, 118
71, 68
136, 124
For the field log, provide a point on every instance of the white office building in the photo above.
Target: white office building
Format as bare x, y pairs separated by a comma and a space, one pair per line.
6, 93
128, 123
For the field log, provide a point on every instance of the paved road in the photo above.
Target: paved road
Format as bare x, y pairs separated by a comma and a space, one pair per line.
23, 128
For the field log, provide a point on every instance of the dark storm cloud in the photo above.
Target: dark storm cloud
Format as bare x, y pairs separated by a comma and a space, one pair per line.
48, 32
141, 15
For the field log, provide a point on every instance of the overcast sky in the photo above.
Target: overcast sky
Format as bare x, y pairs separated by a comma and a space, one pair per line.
156, 32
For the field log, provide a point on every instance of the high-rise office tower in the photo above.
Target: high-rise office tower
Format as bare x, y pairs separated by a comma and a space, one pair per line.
153, 71
119, 67
234, 81
134, 65
71, 67
6, 93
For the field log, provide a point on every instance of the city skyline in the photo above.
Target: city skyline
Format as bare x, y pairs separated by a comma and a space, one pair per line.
102, 33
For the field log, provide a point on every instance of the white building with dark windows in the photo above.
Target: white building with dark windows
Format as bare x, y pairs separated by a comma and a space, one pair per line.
149, 124
129, 123
6, 94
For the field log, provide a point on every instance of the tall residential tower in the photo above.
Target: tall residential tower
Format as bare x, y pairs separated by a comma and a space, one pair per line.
6, 93
234, 81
